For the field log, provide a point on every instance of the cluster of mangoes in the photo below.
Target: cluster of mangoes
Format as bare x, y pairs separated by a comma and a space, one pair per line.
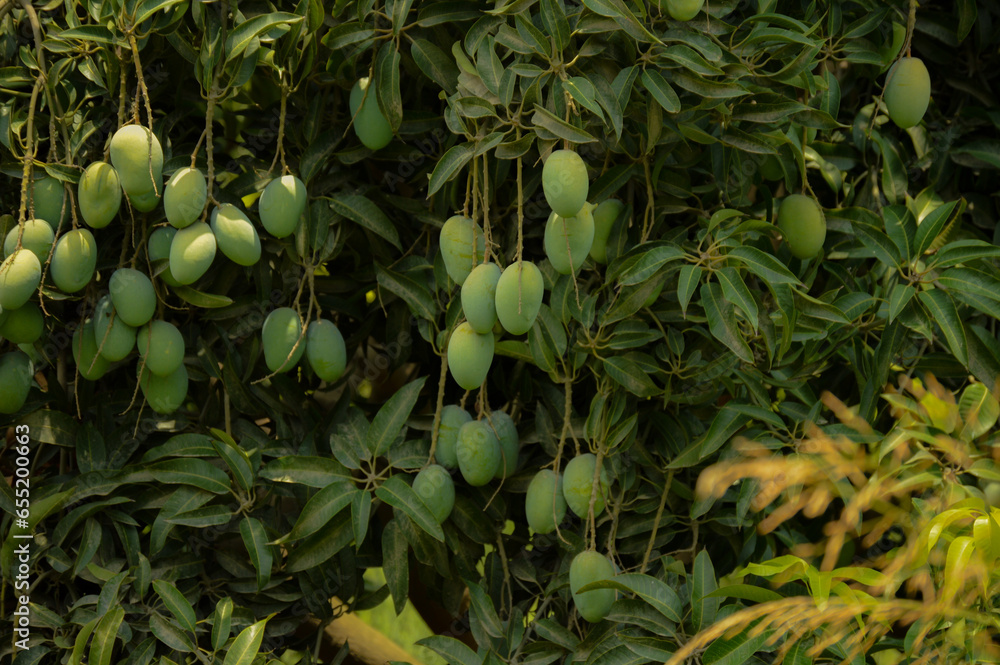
285, 342
181, 253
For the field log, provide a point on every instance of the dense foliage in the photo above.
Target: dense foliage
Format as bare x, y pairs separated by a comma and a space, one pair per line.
214, 530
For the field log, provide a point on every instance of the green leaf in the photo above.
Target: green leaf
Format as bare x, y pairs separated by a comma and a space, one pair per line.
630, 376
661, 91
321, 508
554, 20
243, 34
169, 634
945, 314
750, 592
235, 458
200, 299
964, 251
688, 280
246, 646
303, 470
435, 64
653, 591
485, 613
931, 226
900, 297
361, 512
398, 494
176, 604
396, 564
734, 651
735, 291
583, 92
488, 65
222, 622
400, 10
878, 243
955, 574
451, 650
894, 180
89, 33
979, 410
417, 296
970, 281
390, 421
190, 471
901, 229
763, 265
722, 321
560, 128
387, 93
255, 539
147, 8
322, 545
449, 165
103, 644
362, 211
703, 606
623, 16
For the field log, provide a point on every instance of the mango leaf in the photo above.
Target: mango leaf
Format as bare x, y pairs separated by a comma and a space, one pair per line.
544, 119
222, 622
362, 211
417, 296
102, 646
449, 165
653, 591
722, 321
387, 91
190, 471
176, 604
246, 646
945, 314
321, 508
398, 494
390, 421
243, 34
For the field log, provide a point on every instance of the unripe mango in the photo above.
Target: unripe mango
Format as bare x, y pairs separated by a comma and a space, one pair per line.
158, 249
281, 205
325, 350
544, 505
133, 296
605, 215
506, 433
135, 151
452, 419
161, 344
184, 197
479, 294
907, 92
38, 238
587, 568
144, 202
463, 246
568, 240
684, 10
369, 123
470, 355
235, 235
565, 182
281, 333
23, 325
519, 297
16, 375
578, 480
50, 200
99, 193
434, 485
114, 338
74, 260
802, 223
165, 394
192, 252
478, 452
89, 363
20, 274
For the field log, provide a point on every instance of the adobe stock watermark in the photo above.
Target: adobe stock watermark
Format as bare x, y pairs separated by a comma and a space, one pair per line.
23, 538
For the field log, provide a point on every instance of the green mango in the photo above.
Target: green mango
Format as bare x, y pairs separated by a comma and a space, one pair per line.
587, 568
161, 345
683, 10
185, 196
38, 237
568, 240
452, 419
20, 274
281, 333
23, 325
50, 201
16, 375
91, 365
133, 296
578, 481
803, 225
604, 215
74, 260
192, 252
99, 193
565, 182
470, 355
479, 297
544, 505
135, 152
519, 296
478, 452
463, 246
114, 338
158, 249
506, 432
165, 394
281, 205
325, 350
236, 235
907, 92
369, 124
437, 490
